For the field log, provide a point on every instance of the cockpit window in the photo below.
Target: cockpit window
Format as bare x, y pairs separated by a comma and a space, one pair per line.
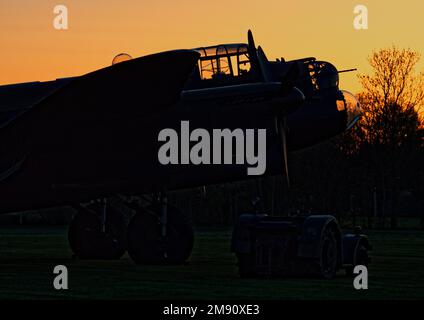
243, 62
224, 61
207, 68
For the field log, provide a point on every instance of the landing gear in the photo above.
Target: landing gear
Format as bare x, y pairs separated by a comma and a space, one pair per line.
160, 235
98, 231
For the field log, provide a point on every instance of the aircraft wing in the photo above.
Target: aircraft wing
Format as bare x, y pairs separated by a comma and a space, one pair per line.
16, 99
141, 86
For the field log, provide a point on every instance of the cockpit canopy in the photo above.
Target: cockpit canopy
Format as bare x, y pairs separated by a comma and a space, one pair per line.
224, 61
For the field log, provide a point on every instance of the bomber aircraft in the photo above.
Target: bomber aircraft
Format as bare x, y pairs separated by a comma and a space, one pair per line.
93, 142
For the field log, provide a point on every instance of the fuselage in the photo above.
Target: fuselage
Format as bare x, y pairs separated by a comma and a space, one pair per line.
105, 155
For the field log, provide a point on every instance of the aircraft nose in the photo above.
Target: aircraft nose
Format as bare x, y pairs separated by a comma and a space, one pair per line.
352, 107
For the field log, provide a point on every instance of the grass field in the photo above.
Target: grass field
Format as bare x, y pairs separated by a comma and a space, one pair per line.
28, 256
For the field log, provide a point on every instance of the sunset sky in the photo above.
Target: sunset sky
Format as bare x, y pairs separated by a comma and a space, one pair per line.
31, 49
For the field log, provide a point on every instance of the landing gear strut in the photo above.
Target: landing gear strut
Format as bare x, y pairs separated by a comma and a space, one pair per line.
98, 231
160, 235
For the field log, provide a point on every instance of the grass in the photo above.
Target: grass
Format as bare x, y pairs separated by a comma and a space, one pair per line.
28, 256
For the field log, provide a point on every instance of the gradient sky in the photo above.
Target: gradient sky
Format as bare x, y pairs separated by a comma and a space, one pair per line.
31, 49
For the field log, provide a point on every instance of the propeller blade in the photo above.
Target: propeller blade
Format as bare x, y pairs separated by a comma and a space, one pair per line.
282, 131
264, 65
253, 57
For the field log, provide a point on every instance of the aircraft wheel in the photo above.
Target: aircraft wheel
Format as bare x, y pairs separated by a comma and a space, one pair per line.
145, 243
88, 241
327, 264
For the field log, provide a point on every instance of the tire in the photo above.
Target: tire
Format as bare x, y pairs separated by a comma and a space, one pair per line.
361, 258
88, 241
145, 243
326, 266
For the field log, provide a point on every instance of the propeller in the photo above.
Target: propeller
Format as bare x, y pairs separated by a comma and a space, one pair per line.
282, 135
259, 64
287, 84
255, 65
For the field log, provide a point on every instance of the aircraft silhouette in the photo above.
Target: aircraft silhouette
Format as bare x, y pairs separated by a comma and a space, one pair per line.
75, 140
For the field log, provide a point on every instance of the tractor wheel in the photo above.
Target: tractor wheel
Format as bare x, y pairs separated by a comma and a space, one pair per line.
361, 258
326, 266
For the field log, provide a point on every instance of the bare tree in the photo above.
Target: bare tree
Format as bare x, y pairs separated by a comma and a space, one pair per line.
394, 80
391, 98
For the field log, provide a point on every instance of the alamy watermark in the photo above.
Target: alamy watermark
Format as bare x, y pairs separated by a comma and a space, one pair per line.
177, 149
60, 20
360, 282
60, 282
360, 22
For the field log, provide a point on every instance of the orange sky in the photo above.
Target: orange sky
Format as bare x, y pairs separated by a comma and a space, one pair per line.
31, 49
